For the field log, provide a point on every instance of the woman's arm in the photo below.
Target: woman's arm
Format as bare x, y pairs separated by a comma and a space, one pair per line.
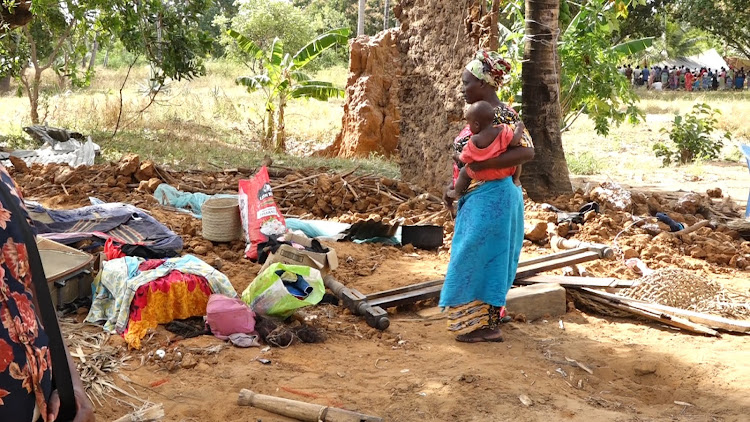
510, 158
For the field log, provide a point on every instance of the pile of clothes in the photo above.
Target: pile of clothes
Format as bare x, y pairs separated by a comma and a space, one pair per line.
132, 295
130, 231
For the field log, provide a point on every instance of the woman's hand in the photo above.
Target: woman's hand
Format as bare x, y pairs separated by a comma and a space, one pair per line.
84, 408
448, 200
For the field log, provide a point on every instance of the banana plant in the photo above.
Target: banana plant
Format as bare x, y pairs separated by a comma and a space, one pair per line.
282, 78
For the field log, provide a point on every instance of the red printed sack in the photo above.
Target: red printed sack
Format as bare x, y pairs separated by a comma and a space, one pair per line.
260, 215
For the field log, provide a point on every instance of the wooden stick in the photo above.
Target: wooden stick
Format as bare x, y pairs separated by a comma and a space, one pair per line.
283, 185
153, 413
300, 410
430, 217
694, 227
713, 321
351, 189
671, 320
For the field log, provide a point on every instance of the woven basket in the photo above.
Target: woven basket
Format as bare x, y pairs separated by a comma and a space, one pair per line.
221, 219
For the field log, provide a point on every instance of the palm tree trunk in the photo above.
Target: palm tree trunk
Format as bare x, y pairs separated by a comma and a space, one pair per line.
494, 29
280, 132
361, 18
386, 9
547, 174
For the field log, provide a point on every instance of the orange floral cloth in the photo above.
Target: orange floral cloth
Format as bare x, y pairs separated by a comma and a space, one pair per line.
175, 296
25, 361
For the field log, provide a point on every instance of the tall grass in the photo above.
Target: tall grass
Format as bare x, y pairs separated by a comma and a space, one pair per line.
212, 122
205, 114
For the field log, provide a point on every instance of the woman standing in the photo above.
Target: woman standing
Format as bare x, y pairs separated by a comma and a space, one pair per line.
489, 225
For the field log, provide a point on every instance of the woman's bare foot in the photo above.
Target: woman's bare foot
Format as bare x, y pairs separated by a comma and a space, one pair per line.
481, 335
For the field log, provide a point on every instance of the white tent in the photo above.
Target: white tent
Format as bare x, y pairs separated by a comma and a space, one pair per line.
710, 59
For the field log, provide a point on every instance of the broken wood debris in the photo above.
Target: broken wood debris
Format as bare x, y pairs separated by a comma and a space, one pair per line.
301, 411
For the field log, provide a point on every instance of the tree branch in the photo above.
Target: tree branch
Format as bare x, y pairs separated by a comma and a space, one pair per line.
567, 127
58, 47
119, 113
32, 45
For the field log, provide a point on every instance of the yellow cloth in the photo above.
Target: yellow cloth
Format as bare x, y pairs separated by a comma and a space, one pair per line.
163, 307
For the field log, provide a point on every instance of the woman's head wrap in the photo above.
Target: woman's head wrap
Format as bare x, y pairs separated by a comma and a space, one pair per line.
489, 66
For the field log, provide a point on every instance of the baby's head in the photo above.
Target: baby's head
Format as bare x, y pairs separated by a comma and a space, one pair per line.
480, 115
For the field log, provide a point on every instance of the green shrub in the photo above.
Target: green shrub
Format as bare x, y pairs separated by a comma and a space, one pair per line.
691, 137
583, 164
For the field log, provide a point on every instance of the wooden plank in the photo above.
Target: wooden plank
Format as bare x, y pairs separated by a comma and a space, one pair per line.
554, 264
713, 321
671, 320
407, 297
545, 258
569, 281
402, 290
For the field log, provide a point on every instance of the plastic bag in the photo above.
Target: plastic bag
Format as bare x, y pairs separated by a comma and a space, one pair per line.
260, 215
273, 291
228, 315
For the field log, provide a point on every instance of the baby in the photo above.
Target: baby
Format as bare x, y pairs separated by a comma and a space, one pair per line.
485, 143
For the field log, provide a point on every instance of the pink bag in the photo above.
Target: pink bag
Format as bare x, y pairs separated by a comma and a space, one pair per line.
227, 316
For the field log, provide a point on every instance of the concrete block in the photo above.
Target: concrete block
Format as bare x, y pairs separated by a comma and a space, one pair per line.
537, 301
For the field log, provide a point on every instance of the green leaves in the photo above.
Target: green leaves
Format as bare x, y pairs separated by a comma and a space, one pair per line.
282, 78
629, 48
692, 137
276, 54
320, 44
245, 44
255, 82
318, 90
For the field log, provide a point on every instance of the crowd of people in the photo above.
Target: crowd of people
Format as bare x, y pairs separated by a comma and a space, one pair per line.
683, 78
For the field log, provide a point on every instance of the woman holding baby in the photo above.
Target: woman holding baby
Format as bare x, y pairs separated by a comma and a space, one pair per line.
489, 222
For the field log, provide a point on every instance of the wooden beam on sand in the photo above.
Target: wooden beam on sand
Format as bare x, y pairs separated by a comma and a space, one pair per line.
713, 321
623, 304
568, 281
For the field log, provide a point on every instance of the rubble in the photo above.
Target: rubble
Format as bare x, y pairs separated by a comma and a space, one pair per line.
348, 197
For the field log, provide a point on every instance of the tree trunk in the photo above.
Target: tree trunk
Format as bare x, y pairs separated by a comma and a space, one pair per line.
33, 94
361, 18
280, 132
494, 43
386, 9
268, 136
5, 84
106, 57
547, 174
94, 49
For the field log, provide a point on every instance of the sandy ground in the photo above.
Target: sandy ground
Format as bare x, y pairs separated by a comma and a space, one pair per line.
416, 371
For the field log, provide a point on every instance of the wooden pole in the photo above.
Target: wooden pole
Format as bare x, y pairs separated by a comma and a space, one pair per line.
300, 410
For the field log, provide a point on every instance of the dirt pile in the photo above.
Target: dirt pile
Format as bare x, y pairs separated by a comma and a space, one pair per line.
371, 114
435, 41
626, 221
310, 193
